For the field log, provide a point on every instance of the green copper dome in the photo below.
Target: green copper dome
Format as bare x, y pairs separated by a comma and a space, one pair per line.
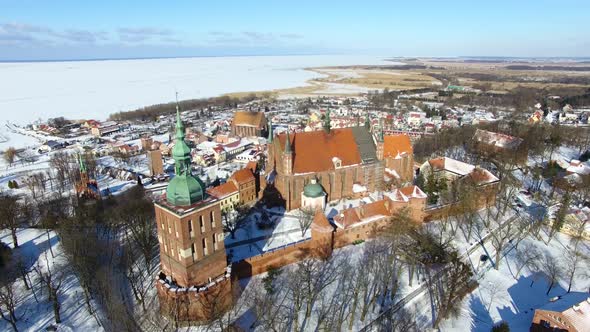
184, 189
313, 189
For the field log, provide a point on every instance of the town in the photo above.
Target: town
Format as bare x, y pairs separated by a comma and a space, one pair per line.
390, 210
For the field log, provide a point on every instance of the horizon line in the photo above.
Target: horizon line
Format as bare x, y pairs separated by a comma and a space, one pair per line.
583, 58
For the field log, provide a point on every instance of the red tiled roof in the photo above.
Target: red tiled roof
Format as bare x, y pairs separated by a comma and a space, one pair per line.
244, 175
413, 192
223, 190
437, 164
349, 217
394, 145
481, 176
313, 151
321, 223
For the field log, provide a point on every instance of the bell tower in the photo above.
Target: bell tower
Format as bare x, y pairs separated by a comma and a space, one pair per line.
190, 233
270, 162
288, 156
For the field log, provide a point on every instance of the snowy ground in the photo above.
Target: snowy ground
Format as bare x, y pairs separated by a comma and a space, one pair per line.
34, 245
251, 240
502, 297
9, 137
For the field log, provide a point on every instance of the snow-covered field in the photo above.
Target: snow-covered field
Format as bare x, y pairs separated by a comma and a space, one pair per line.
34, 246
502, 297
95, 89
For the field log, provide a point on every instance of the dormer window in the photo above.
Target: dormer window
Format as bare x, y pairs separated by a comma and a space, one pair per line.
337, 162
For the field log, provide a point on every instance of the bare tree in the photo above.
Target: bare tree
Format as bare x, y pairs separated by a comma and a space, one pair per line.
10, 211
529, 257
305, 218
573, 258
450, 287
552, 270
235, 219
9, 155
136, 214
52, 277
9, 301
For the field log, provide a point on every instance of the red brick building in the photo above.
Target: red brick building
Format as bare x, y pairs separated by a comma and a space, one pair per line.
340, 159
193, 262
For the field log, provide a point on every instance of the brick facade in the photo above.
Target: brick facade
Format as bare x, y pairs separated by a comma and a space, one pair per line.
191, 244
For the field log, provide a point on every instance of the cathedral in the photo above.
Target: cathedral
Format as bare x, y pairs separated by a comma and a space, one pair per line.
346, 162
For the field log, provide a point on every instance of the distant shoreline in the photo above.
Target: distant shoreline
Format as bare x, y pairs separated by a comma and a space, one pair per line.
167, 57
393, 58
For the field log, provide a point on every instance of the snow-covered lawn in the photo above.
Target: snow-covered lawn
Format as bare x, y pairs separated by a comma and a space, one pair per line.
34, 246
502, 297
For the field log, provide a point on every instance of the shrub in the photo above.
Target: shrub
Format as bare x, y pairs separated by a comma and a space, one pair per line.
501, 327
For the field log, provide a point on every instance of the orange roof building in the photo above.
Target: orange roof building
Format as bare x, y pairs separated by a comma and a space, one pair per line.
338, 158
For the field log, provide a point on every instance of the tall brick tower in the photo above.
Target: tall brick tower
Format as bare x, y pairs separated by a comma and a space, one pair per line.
270, 162
379, 143
193, 263
288, 156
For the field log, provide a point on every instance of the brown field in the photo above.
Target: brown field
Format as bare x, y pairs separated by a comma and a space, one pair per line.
355, 80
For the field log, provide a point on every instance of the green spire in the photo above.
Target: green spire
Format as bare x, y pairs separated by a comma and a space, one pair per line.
81, 163
270, 133
179, 125
288, 144
327, 122
184, 189
381, 134
367, 122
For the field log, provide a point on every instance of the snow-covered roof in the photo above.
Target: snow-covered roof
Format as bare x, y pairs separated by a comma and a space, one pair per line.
451, 165
575, 307
578, 168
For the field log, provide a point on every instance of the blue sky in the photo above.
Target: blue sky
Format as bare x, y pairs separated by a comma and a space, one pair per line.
41, 30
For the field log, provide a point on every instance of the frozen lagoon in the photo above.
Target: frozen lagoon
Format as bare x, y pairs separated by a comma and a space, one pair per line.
95, 89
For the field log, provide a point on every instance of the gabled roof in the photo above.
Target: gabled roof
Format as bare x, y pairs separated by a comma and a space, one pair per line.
320, 223
314, 151
362, 214
223, 190
575, 307
250, 119
497, 139
482, 176
396, 145
242, 176
413, 192
405, 194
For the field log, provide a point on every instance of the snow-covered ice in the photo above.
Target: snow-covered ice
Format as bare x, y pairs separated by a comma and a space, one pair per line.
95, 89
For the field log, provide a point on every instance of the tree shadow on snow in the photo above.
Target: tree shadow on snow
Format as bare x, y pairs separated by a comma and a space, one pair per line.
528, 294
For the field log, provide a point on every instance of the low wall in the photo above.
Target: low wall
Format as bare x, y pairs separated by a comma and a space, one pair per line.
191, 305
276, 258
